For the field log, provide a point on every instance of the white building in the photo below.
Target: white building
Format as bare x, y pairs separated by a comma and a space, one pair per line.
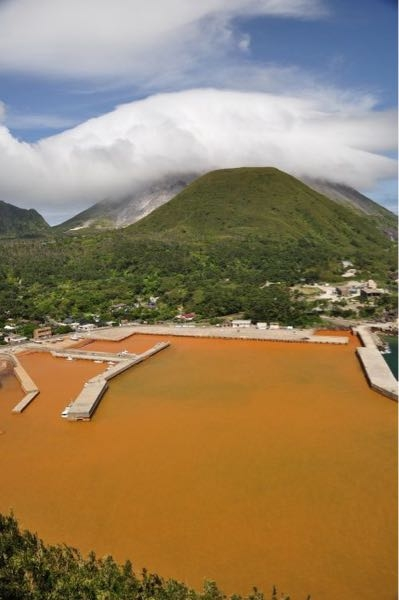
87, 327
240, 323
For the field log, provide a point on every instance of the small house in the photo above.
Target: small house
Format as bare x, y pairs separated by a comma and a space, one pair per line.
366, 293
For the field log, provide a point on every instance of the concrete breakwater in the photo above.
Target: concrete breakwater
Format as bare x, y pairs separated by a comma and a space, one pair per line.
28, 385
377, 372
93, 390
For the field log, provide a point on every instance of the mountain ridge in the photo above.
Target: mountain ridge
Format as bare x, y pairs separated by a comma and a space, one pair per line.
121, 213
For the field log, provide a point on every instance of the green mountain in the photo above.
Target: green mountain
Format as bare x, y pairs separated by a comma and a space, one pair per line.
263, 203
20, 222
125, 211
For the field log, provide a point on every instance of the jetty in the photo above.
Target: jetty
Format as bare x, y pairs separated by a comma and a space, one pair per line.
28, 385
93, 390
378, 373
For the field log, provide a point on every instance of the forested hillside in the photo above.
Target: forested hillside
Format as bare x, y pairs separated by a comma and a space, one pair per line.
213, 250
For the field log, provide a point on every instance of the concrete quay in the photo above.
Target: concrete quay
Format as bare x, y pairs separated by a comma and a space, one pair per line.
247, 333
377, 372
88, 399
93, 390
87, 355
28, 385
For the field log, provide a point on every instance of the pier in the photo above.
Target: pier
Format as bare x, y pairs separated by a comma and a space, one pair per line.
377, 372
93, 390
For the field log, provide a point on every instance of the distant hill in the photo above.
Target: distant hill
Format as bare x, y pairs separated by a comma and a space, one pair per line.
21, 222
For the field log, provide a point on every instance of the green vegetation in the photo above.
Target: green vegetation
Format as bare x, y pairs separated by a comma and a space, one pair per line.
19, 222
211, 250
32, 570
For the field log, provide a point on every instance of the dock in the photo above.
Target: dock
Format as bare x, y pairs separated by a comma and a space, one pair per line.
378, 373
93, 390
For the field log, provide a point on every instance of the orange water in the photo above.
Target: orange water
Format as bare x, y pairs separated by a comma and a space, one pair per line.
252, 463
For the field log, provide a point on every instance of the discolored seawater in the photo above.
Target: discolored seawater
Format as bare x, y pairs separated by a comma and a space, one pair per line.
252, 463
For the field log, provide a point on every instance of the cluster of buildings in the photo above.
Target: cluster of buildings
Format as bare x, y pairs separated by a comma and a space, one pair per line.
365, 290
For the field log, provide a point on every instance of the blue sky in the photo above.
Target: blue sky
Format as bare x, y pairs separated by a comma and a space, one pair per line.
322, 66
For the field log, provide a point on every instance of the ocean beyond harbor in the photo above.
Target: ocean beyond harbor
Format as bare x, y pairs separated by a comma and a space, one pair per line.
391, 357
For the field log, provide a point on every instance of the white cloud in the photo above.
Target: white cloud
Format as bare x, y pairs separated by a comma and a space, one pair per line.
196, 131
127, 38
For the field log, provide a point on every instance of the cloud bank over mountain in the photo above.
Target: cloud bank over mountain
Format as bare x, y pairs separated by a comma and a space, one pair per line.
196, 131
